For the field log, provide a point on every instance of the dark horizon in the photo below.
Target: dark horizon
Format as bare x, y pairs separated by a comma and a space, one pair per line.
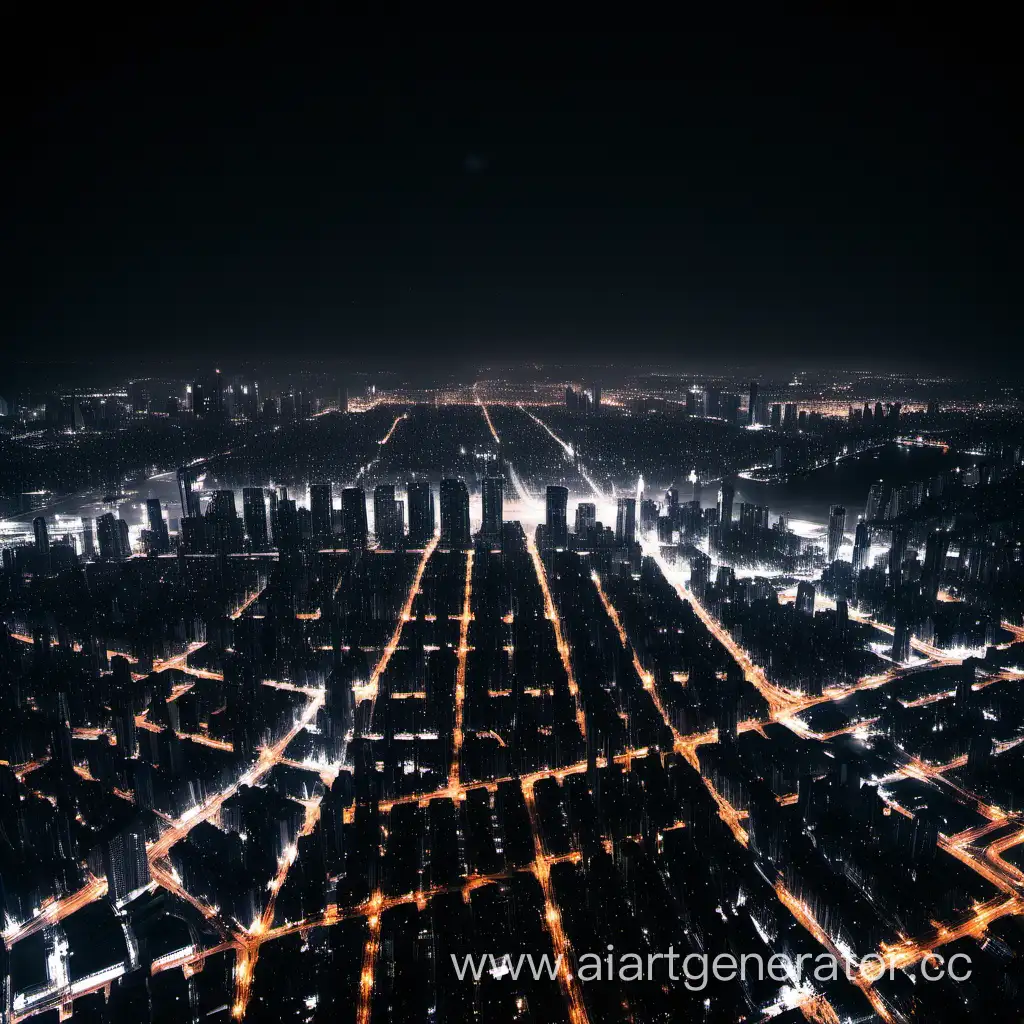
832, 192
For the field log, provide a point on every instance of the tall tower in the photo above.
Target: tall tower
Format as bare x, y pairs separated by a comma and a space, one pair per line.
42, 535
187, 491
861, 546
320, 511
836, 530
422, 518
454, 515
752, 411
353, 515
494, 505
254, 516
385, 518
161, 541
625, 521
557, 521
726, 497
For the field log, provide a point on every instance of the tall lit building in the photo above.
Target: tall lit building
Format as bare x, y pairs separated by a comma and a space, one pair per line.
625, 521
160, 540
422, 519
861, 546
752, 406
187, 491
726, 497
320, 511
493, 507
353, 517
385, 519
454, 515
836, 531
557, 519
254, 517
873, 509
595, 391
125, 862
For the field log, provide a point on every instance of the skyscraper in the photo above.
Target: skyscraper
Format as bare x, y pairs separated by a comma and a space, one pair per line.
385, 522
493, 507
752, 409
726, 496
42, 541
125, 862
897, 553
873, 509
836, 530
109, 535
805, 598
160, 540
422, 520
187, 491
557, 521
595, 390
901, 638
936, 549
353, 516
861, 546
454, 515
88, 538
254, 515
625, 521
320, 512
586, 517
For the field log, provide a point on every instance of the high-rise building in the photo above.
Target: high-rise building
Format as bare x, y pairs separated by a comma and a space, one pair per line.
42, 536
187, 491
752, 407
88, 538
557, 522
625, 521
385, 522
493, 507
110, 538
287, 536
805, 598
125, 862
726, 496
160, 540
586, 517
836, 531
776, 420
254, 516
353, 516
320, 507
595, 391
935, 552
861, 546
789, 418
901, 638
422, 520
454, 515
897, 553
873, 509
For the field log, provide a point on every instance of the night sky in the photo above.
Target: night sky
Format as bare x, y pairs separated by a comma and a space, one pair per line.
839, 193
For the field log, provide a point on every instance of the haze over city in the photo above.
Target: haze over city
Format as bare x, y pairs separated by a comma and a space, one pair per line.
512, 528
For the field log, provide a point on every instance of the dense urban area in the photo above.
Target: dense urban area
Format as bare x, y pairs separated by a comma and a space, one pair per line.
312, 686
